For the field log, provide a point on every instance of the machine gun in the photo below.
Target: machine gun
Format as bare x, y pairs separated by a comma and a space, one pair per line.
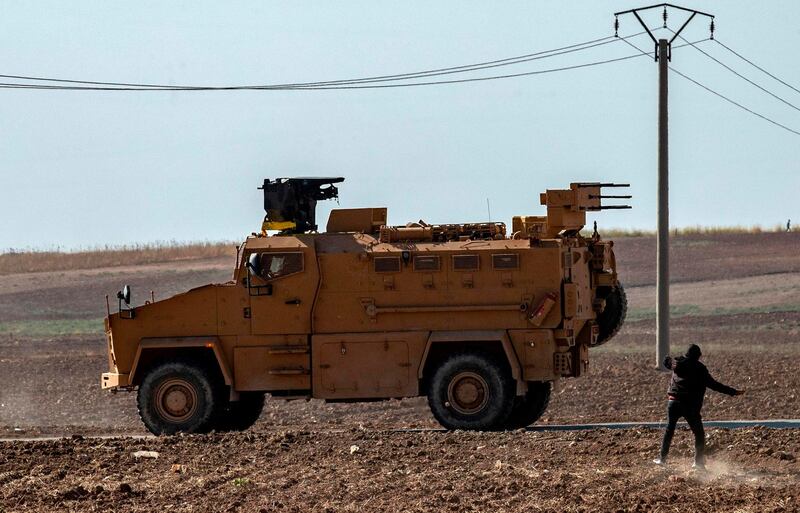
566, 209
291, 203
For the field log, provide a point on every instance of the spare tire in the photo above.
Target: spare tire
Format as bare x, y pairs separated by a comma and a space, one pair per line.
611, 319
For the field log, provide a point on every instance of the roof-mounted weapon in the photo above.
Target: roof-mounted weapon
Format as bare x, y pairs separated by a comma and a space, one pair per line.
290, 203
566, 208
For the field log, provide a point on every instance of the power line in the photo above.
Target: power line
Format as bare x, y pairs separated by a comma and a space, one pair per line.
740, 75
356, 86
765, 118
403, 76
462, 68
479, 79
720, 95
126, 86
745, 59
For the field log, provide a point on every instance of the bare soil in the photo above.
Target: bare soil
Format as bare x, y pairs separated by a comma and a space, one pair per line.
736, 295
51, 387
367, 470
80, 294
701, 257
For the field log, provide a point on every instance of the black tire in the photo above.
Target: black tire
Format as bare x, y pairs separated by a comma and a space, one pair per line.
530, 407
611, 319
179, 397
471, 391
242, 414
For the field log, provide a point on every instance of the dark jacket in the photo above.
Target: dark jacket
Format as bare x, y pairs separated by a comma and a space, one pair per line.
690, 378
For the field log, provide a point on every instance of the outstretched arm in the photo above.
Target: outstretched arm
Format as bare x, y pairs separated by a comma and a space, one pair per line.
716, 386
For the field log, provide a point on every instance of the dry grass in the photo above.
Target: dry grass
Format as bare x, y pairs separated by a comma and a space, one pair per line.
14, 262
687, 230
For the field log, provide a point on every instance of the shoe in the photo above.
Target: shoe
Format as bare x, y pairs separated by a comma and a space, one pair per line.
660, 462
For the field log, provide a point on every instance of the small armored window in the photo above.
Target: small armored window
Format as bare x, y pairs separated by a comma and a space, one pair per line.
426, 263
278, 265
466, 262
507, 261
387, 264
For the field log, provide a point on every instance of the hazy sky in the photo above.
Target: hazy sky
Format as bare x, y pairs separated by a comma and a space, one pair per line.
92, 168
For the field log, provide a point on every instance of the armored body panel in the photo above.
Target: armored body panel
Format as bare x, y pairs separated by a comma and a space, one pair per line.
480, 321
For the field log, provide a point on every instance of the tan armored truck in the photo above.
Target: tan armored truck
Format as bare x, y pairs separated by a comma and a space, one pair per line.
480, 321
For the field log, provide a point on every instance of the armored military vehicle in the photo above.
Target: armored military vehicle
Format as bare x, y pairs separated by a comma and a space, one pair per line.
480, 320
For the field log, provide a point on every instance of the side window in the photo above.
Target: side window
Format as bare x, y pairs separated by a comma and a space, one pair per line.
387, 264
278, 265
426, 263
505, 261
466, 262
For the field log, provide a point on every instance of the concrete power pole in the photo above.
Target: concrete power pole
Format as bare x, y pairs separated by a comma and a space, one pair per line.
663, 54
662, 243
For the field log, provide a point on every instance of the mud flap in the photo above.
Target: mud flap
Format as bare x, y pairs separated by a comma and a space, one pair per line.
580, 360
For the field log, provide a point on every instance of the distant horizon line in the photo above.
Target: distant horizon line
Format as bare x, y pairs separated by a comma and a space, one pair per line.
156, 245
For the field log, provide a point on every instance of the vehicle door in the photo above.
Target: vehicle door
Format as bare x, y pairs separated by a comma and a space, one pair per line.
282, 286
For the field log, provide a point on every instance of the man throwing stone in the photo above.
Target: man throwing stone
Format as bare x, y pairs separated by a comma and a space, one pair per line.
690, 378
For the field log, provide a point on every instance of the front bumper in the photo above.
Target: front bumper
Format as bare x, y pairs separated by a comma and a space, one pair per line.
113, 380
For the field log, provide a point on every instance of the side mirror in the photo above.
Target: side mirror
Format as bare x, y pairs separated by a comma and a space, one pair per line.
254, 269
125, 294
254, 264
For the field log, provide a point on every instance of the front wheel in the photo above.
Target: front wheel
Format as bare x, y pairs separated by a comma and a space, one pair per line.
178, 396
471, 391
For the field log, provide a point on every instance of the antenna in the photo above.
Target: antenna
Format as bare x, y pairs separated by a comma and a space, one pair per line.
489, 209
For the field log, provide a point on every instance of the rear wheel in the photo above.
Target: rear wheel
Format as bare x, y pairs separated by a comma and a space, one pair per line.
178, 396
242, 414
472, 391
531, 406
611, 319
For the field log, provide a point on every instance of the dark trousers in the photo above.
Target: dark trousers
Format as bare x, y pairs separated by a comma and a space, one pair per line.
676, 410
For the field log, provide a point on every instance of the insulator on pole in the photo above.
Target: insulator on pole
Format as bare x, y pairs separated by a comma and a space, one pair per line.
664, 15
616, 26
712, 28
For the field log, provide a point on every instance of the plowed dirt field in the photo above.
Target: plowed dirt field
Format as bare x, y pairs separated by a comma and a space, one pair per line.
365, 470
738, 296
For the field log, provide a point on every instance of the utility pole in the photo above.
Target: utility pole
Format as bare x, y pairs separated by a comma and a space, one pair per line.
663, 54
662, 243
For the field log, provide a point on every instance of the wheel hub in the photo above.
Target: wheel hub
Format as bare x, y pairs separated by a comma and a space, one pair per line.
176, 400
468, 393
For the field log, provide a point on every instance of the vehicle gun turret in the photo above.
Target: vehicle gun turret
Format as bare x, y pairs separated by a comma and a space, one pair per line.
566, 209
291, 203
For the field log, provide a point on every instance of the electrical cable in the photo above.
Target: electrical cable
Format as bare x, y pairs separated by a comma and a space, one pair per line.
356, 86
383, 78
765, 118
513, 75
745, 59
445, 71
739, 74
720, 95
463, 68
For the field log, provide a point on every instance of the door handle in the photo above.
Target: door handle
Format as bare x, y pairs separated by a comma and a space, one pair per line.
292, 302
